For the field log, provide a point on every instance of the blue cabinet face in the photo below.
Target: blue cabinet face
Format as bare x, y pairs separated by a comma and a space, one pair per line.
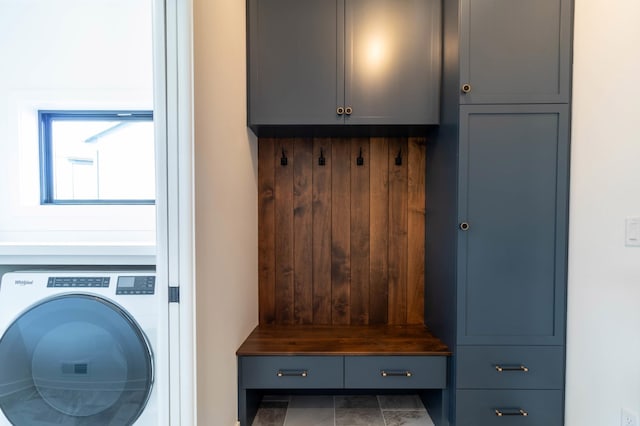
515, 51
513, 174
509, 407
293, 59
392, 61
334, 62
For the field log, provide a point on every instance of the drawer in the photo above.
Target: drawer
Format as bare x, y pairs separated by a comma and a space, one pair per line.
513, 367
478, 407
395, 372
291, 372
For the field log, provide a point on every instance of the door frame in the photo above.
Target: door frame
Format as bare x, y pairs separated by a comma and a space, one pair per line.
175, 262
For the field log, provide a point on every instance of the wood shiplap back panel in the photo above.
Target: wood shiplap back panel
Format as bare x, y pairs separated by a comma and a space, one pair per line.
341, 243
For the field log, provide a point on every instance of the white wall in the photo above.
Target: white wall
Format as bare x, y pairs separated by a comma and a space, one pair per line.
226, 206
603, 354
603, 336
67, 54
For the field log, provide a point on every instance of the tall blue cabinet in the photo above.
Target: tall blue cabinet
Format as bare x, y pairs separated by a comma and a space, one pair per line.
497, 209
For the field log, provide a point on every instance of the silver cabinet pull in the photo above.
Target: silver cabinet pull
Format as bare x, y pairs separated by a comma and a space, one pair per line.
501, 368
292, 373
406, 373
512, 412
466, 88
464, 226
348, 110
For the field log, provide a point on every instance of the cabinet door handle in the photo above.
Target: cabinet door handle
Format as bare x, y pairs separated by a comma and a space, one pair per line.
500, 412
405, 373
340, 110
292, 373
466, 88
348, 110
501, 368
464, 226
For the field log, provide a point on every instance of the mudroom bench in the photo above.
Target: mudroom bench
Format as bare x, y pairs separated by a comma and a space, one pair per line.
341, 359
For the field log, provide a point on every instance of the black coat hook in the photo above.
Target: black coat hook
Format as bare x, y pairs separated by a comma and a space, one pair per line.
399, 158
284, 160
360, 160
321, 160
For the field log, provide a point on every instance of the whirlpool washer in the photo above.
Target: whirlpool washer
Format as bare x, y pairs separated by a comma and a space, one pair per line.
77, 348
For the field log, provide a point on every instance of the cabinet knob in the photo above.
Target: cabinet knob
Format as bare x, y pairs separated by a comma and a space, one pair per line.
348, 110
466, 88
340, 110
464, 226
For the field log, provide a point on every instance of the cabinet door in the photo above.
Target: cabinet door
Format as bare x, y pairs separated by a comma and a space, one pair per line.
515, 51
392, 61
513, 174
293, 62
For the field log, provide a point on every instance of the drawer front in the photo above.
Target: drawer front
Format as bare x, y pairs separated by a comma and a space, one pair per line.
478, 407
515, 367
291, 372
395, 372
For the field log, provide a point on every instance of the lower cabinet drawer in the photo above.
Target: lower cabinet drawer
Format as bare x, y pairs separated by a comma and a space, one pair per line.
291, 372
509, 408
515, 367
395, 372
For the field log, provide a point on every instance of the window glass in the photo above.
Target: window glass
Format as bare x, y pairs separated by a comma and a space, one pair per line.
97, 157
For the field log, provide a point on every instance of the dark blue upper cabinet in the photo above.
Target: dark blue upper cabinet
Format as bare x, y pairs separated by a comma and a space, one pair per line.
515, 51
292, 62
392, 61
328, 62
513, 177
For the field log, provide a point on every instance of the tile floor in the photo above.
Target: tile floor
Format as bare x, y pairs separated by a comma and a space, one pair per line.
328, 410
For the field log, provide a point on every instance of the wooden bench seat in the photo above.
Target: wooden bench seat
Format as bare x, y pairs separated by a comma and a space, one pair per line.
342, 340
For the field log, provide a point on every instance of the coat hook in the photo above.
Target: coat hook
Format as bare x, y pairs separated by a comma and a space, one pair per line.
284, 160
360, 160
321, 160
399, 158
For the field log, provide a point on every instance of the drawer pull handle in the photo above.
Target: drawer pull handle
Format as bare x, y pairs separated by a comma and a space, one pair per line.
289, 373
501, 368
385, 373
519, 412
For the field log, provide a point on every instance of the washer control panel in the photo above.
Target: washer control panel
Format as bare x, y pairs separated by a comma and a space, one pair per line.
136, 284
78, 282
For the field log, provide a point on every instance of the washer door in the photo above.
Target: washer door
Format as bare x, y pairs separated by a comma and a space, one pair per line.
74, 360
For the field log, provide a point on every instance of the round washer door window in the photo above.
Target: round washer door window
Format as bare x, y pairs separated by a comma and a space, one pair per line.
74, 360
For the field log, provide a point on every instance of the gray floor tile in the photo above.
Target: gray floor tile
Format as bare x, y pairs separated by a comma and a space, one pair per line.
310, 417
356, 401
359, 417
407, 418
400, 402
271, 413
311, 401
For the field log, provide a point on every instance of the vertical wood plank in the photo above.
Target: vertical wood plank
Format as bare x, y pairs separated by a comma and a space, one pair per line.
284, 232
416, 225
340, 231
322, 232
397, 232
359, 292
266, 232
379, 234
302, 231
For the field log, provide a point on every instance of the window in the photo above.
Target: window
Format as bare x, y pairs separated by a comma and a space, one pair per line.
97, 157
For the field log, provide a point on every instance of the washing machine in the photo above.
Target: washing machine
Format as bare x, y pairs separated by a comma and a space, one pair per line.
79, 348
